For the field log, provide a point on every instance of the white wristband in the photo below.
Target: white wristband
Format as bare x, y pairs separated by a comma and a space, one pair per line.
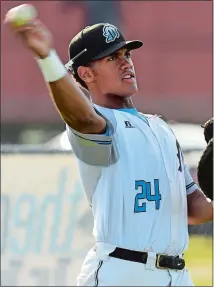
52, 67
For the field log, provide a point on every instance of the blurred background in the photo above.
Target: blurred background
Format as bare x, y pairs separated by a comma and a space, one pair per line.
46, 221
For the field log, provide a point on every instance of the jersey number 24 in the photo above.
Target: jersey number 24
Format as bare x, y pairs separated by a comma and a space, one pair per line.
146, 194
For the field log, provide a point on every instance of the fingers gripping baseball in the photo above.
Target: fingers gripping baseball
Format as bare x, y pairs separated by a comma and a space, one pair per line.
37, 38
32, 32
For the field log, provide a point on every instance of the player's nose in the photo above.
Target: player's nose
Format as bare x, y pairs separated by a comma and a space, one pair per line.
126, 64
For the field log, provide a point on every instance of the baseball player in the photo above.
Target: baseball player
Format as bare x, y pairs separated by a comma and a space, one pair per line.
131, 165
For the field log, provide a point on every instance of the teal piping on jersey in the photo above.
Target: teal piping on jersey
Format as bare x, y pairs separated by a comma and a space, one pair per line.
96, 141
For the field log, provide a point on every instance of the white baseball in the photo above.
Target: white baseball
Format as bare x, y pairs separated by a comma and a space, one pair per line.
21, 15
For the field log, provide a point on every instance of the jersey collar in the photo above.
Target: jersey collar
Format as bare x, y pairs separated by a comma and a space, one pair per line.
134, 112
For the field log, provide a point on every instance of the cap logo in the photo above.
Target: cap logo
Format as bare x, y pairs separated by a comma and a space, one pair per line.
110, 32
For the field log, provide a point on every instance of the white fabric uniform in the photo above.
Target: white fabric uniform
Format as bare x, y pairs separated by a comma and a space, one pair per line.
137, 183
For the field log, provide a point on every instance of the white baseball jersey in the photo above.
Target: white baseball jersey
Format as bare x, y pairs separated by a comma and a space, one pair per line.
136, 182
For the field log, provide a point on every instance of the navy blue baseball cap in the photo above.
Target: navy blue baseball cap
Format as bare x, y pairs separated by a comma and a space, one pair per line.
96, 42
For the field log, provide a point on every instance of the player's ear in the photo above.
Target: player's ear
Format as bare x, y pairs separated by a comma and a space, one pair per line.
86, 74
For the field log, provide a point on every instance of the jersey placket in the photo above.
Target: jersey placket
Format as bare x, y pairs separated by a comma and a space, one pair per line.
173, 233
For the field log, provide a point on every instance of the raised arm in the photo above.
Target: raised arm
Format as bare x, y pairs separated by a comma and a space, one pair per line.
74, 107
70, 101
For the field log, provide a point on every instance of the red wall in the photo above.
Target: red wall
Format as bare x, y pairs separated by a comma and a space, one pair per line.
174, 67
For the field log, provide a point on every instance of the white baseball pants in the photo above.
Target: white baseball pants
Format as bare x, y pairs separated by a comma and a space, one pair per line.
99, 269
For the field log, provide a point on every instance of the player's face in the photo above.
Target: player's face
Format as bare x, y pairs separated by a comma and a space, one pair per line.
115, 74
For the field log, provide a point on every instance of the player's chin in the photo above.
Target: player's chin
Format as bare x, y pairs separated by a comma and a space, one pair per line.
129, 90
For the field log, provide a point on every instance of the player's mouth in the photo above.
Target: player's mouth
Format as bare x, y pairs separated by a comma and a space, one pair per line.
129, 77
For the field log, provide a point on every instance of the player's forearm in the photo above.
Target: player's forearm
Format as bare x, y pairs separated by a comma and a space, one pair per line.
73, 106
200, 208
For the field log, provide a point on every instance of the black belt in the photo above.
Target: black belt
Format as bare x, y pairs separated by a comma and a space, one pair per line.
162, 261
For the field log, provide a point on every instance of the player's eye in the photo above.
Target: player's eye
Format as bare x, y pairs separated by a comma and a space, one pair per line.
113, 57
128, 55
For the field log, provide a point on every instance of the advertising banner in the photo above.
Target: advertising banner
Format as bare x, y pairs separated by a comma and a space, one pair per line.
46, 221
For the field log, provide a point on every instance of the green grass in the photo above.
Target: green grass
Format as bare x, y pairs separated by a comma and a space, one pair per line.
199, 260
